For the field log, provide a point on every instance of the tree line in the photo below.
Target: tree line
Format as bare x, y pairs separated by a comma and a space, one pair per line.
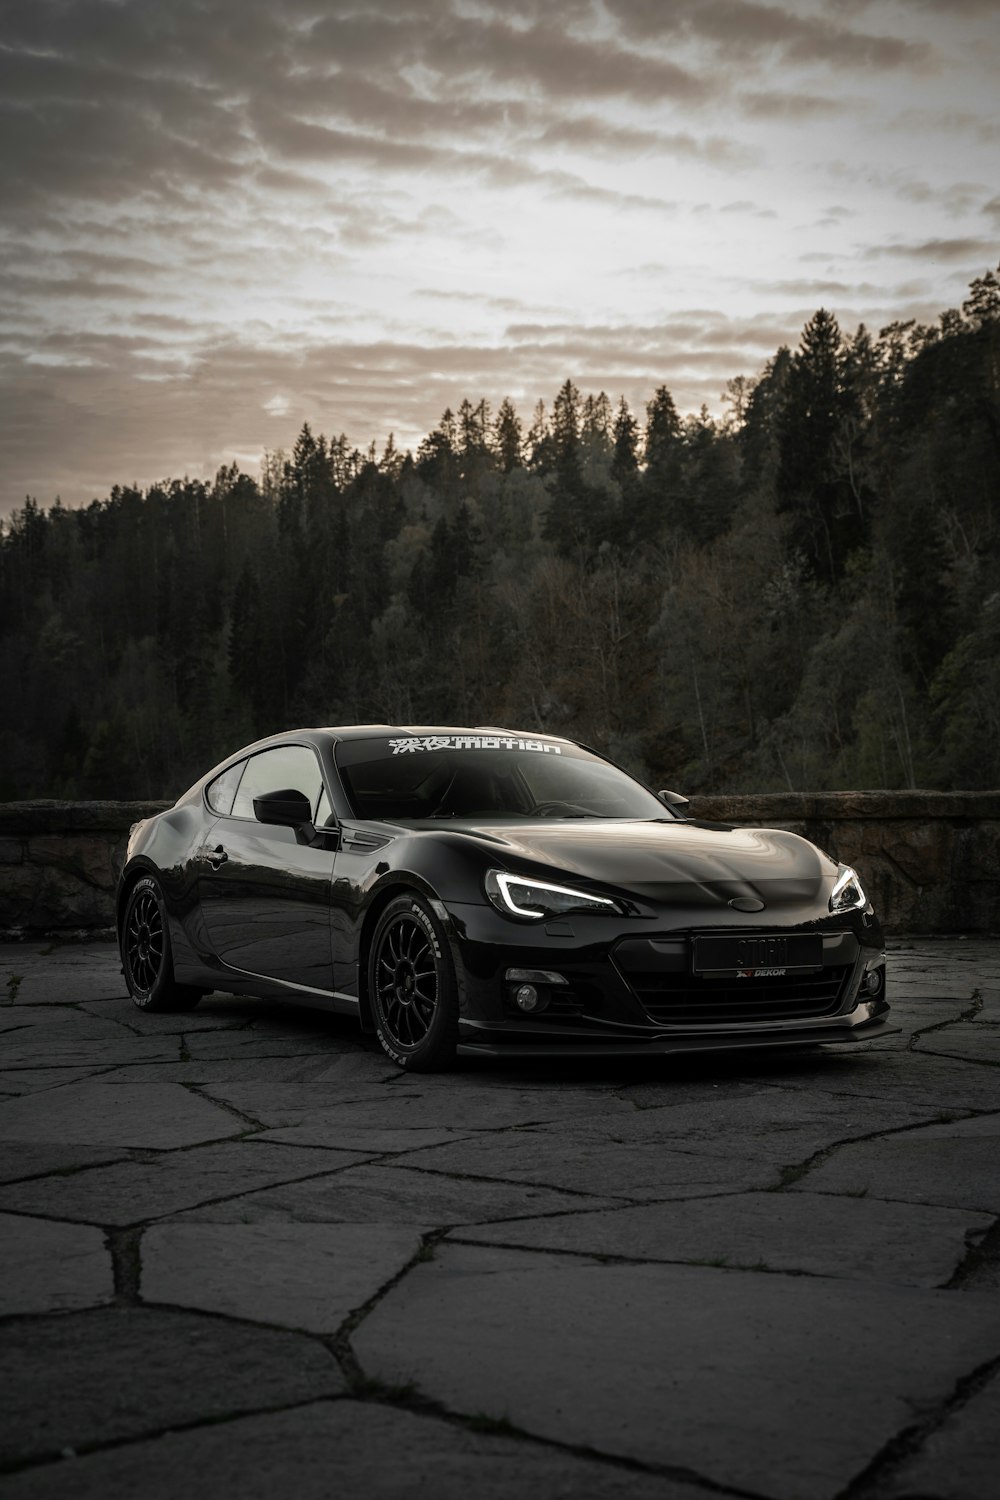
802, 594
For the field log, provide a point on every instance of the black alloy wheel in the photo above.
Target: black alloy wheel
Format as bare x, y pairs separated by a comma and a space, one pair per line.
411, 984
146, 958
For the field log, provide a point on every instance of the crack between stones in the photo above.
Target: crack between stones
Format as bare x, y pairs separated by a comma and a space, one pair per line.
609, 1258
173, 1213
367, 1389
793, 1174
970, 1013
529, 1182
982, 1251
198, 1090
974, 1062
423, 1407
987, 1210
908, 1442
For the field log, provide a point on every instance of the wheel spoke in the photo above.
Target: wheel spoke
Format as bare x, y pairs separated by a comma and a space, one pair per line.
405, 957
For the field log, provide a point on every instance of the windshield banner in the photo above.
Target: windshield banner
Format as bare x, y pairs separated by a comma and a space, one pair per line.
413, 743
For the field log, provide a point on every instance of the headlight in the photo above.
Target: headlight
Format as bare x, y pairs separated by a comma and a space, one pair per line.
517, 896
848, 892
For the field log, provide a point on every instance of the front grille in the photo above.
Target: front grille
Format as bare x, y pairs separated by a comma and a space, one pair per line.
687, 1000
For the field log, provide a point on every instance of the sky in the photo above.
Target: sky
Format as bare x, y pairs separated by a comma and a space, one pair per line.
220, 219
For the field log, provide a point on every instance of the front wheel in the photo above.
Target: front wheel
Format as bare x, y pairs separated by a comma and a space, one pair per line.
146, 958
411, 984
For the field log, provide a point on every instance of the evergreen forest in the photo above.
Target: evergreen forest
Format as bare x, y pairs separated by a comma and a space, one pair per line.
803, 594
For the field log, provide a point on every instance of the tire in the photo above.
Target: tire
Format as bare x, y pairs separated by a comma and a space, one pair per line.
412, 988
147, 962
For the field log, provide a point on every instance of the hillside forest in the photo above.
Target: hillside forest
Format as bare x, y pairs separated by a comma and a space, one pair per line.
802, 594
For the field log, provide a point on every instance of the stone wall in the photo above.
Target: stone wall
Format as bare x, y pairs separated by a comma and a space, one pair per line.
930, 860
59, 863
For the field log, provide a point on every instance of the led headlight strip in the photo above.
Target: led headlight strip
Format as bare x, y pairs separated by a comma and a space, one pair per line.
519, 896
848, 893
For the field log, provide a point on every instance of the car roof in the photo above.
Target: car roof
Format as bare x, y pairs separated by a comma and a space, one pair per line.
375, 731
335, 733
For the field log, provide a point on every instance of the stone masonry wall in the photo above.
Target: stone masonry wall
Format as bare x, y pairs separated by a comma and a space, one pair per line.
930, 860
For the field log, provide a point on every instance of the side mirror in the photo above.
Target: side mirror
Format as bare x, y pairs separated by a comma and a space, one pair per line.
673, 800
287, 808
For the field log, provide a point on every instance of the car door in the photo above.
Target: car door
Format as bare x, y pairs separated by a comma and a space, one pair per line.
265, 896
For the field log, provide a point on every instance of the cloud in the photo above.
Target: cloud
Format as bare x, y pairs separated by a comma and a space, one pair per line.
966, 249
736, 27
542, 55
591, 133
225, 216
775, 104
746, 206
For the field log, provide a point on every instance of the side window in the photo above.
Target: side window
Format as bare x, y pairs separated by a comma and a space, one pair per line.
287, 766
324, 813
219, 793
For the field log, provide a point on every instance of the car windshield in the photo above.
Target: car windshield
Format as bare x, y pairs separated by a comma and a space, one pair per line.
485, 776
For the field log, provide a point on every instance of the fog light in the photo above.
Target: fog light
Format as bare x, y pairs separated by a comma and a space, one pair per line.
526, 997
874, 981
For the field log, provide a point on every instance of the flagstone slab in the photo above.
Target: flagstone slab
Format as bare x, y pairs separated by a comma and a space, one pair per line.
855, 1238
69, 984
961, 1460
906, 1077
392, 1195
97, 1377
255, 1042
222, 1072
53, 1036
404, 1102
976, 1041
774, 1125
97, 1113
323, 1133
278, 1102
915, 1015
51, 1267
57, 976
213, 1013
23, 1159
31, 1080
737, 1377
955, 1165
346, 1448
581, 1163
306, 1276
132, 1192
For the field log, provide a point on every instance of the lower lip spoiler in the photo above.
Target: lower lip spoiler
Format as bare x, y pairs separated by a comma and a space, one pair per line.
660, 1046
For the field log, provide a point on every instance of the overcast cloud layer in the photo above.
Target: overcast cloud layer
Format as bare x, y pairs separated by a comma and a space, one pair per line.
225, 217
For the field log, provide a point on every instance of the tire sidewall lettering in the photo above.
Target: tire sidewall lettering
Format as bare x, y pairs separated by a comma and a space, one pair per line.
425, 922
146, 883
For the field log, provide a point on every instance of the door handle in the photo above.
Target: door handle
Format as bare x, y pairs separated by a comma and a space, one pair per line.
217, 857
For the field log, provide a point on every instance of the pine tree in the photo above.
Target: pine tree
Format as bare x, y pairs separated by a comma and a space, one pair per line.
625, 459
508, 442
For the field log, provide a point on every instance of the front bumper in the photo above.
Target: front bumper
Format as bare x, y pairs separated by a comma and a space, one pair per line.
608, 1008
858, 1026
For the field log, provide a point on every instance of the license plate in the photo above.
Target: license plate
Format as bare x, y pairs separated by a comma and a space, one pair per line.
757, 955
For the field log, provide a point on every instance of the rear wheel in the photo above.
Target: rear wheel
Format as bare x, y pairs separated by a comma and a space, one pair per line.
146, 958
411, 984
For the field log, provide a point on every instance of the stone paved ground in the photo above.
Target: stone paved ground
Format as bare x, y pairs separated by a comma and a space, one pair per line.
241, 1254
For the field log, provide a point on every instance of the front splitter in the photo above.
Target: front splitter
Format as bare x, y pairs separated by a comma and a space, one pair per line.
664, 1046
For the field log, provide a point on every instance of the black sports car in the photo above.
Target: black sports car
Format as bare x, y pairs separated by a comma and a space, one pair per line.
492, 891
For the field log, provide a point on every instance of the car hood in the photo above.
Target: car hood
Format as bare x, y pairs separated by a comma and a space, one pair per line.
688, 862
